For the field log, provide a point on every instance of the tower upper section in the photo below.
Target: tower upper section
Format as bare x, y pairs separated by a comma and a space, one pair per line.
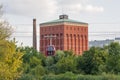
63, 19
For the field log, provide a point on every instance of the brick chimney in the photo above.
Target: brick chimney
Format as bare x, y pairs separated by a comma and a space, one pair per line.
34, 35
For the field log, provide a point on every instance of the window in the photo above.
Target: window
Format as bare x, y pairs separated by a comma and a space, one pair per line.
57, 35
45, 29
67, 27
84, 30
81, 29
55, 28
42, 36
61, 34
74, 28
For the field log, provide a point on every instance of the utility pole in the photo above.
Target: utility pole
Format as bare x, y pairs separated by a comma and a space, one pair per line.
50, 37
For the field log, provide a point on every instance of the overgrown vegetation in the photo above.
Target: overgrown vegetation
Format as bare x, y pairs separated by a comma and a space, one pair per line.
95, 64
71, 76
10, 59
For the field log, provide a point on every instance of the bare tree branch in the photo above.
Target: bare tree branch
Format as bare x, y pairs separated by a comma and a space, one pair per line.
5, 27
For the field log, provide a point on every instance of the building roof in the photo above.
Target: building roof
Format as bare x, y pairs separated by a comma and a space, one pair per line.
62, 19
118, 38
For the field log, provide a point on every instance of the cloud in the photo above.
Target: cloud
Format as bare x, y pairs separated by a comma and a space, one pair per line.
31, 7
47, 9
80, 7
91, 8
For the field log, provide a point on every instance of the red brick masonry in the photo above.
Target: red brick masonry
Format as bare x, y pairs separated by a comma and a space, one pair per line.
69, 36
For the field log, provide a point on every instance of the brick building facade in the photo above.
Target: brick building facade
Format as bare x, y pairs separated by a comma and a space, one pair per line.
70, 35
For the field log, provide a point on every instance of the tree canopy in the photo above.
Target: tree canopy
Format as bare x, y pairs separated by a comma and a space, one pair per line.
10, 59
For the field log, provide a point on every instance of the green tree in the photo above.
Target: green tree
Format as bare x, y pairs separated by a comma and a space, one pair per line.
50, 65
69, 53
32, 64
59, 55
10, 61
113, 62
49, 61
92, 61
66, 64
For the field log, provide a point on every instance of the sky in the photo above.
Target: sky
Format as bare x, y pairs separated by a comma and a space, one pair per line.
103, 16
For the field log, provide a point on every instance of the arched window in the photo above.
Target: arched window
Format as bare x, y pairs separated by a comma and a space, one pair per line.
86, 42
67, 41
78, 43
42, 36
75, 42
57, 41
82, 43
61, 42
71, 41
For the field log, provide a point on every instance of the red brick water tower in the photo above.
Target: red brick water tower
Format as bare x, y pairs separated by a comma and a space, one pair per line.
70, 35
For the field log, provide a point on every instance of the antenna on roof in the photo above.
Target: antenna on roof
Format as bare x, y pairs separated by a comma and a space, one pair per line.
63, 15
62, 10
